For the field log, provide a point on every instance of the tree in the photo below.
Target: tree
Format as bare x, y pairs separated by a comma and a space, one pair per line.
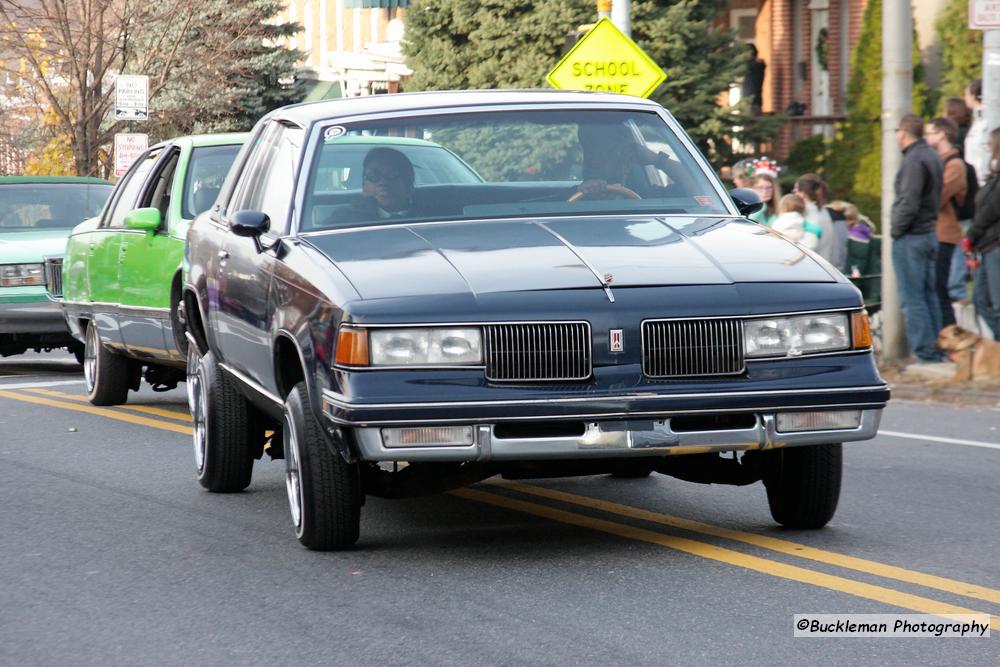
462, 44
961, 48
854, 161
199, 55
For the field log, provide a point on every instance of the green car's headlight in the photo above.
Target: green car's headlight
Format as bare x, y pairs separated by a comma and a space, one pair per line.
426, 346
22, 275
794, 336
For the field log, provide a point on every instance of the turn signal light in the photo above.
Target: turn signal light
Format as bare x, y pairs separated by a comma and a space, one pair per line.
861, 332
352, 347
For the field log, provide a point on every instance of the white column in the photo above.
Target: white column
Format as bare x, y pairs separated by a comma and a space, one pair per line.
340, 25
897, 101
324, 45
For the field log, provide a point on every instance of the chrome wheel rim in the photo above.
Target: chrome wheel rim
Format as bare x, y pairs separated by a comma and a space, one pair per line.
90, 357
293, 472
193, 360
199, 408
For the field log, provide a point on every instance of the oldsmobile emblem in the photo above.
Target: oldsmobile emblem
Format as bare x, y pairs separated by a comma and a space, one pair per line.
616, 340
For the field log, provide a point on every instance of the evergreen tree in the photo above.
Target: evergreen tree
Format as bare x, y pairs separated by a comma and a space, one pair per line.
961, 48
464, 44
854, 163
232, 87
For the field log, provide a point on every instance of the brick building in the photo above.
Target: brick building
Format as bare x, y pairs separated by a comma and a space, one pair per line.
352, 47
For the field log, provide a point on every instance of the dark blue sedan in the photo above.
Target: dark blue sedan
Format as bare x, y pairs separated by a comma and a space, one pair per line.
591, 302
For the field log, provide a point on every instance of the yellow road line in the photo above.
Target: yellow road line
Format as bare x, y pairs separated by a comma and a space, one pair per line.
704, 550
771, 543
147, 409
101, 412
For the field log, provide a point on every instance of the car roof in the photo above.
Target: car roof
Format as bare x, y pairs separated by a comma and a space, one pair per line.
10, 180
202, 140
310, 112
368, 140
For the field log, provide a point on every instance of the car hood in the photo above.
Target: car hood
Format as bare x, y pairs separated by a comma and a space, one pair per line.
17, 247
564, 253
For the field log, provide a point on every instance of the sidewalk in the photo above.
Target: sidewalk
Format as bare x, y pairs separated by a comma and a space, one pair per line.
930, 383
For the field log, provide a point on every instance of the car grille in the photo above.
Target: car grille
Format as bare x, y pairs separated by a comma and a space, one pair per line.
685, 348
53, 276
537, 351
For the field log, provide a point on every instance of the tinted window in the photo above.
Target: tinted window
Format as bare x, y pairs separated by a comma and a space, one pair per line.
207, 170
31, 206
502, 164
273, 181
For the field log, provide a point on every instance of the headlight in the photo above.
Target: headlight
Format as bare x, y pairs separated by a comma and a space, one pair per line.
22, 275
794, 336
423, 346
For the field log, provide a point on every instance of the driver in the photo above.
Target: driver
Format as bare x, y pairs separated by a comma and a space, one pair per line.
612, 157
388, 183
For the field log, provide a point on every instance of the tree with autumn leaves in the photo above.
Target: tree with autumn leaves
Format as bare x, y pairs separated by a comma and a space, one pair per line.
211, 65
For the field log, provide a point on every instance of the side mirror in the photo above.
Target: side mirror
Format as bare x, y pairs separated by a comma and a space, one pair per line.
747, 201
250, 223
143, 219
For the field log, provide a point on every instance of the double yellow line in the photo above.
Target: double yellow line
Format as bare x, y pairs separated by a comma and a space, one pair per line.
509, 495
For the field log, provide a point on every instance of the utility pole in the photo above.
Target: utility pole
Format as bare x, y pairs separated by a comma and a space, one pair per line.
897, 101
621, 16
991, 78
603, 9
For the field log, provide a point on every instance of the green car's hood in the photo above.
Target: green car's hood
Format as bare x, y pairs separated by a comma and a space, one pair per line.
24, 247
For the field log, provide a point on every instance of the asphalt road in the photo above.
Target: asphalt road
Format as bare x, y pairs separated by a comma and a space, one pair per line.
113, 555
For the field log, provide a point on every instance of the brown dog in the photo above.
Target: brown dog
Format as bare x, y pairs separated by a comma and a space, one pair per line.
977, 358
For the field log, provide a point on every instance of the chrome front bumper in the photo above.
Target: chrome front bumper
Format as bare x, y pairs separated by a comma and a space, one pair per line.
610, 440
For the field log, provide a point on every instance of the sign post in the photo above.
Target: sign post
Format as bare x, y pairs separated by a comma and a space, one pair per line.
606, 60
985, 15
128, 147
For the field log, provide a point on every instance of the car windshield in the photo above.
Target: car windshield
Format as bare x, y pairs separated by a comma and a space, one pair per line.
26, 207
206, 171
503, 164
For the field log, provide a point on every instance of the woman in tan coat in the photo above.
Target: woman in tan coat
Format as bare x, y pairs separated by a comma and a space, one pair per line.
941, 135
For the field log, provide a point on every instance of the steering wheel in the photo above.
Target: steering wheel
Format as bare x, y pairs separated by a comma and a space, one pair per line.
615, 188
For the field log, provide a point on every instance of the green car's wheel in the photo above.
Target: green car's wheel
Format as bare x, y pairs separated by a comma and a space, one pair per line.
107, 375
222, 432
324, 490
803, 485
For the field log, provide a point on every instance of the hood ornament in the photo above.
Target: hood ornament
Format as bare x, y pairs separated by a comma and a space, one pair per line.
608, 278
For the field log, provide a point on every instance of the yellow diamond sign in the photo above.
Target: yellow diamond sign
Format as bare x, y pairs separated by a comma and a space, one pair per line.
605, 59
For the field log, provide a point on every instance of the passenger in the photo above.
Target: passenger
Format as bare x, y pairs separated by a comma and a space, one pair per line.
790, 222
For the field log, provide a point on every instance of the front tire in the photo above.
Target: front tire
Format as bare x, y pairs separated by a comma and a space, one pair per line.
107, 375
324, 490
803, 485
222, 429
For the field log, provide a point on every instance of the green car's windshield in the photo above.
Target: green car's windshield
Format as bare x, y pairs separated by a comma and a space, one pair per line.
26, 207
503, 164
206, 171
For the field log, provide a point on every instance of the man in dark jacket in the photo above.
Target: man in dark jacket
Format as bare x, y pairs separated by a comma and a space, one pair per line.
984, 236
914, 237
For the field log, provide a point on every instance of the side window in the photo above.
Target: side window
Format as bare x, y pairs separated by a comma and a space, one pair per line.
251, 170
126, 200
157, 195
271, 186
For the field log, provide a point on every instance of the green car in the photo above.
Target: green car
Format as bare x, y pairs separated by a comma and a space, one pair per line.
36, 215
122, 270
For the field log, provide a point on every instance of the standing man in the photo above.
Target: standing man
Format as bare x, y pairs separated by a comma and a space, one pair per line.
941, 136
913, 228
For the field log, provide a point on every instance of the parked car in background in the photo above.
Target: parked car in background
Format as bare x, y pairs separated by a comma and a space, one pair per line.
36, 215
595, 302
122, 271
